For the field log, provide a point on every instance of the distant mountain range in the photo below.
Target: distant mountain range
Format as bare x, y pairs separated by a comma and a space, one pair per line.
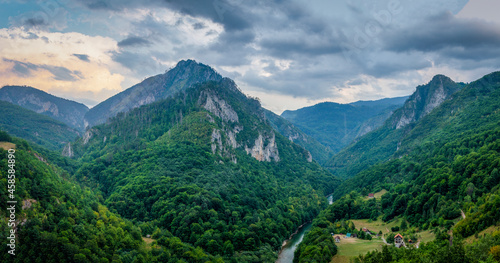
337, 125
63, 110
40, 129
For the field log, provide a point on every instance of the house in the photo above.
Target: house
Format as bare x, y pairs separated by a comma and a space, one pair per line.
398, 241
337, 239
371, 195
348, 235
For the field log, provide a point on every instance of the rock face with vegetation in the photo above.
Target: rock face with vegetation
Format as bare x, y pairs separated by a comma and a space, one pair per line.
182, 76
69, 112
317, 151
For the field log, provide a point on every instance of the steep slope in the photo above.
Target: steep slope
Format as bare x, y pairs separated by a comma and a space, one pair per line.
318, 151
183, 75
206, 167
37, 128
55, 219
337, 125
381, 144
69, 112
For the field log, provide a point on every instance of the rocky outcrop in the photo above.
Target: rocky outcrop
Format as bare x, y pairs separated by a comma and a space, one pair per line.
219, 107
264, 149
424, 100
67, 151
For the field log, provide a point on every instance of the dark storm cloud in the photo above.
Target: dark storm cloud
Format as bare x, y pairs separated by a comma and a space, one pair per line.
134, 41
232, 17
443, 32
25, 69
82, 57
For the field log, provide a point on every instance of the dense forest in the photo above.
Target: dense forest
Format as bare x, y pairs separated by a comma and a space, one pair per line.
58, 220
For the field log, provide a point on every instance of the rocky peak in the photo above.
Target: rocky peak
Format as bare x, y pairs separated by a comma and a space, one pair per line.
185, 74
424, 100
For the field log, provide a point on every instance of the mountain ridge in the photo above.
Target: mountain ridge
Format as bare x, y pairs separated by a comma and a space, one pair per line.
61, 109
183, 75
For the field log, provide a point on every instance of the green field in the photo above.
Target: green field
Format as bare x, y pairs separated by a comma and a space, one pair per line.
352, 247
378, 194
375, 226
7, 145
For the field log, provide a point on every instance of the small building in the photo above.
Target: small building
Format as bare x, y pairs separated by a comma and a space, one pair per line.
398, 241
337, 239
348, 235
354, 235
371, 195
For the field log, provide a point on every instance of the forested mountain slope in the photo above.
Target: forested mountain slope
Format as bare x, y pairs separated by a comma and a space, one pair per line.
205, 167
182, 76
56, 220
69, 112
318, 151
381, 144
37, 128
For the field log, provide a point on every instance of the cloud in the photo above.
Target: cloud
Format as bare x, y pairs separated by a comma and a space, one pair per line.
82, 57
26, 69
442, 32
53, 62
134, 41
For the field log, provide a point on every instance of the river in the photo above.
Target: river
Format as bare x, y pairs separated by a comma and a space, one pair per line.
287, 252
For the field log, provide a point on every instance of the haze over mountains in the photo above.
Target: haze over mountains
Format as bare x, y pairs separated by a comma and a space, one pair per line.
189, 160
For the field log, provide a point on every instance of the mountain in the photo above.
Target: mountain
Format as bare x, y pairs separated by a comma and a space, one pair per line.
69, 112
204, 168
56, 220
34, 127
337, 125
182, 76
318, 151
381, 144
442, 176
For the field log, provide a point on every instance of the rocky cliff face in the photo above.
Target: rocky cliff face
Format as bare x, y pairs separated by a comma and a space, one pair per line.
66, 111
182, 76
224, 140
424, 100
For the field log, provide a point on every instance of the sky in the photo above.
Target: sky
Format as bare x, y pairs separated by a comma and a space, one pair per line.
290, 54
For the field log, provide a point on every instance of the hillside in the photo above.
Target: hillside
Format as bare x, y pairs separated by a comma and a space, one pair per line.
34, 127
205, 166
182, 76
337, 125
380, 144
448, 162
55, 219
318, 151
69, 112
